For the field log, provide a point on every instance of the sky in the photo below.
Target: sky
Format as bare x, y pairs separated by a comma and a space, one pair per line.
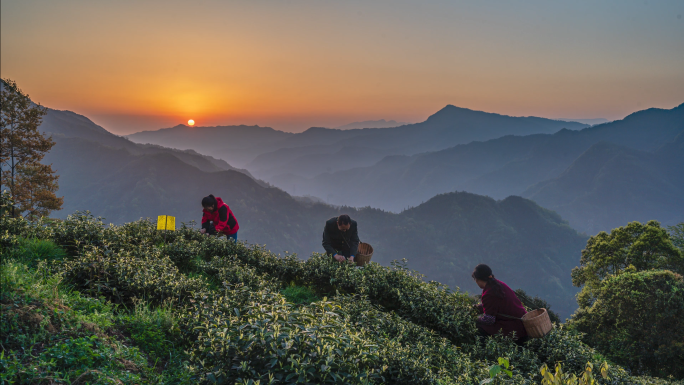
290, 65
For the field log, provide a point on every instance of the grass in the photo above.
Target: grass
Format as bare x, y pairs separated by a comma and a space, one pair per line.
299, 295
52, 334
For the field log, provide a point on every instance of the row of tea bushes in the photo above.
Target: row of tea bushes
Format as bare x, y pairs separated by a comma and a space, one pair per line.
241, 329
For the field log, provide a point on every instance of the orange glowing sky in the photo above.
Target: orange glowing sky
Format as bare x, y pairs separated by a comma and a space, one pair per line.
291, 64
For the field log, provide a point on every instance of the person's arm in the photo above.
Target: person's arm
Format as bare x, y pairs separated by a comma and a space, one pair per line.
327, 243
209, 228
491, 304
354, 241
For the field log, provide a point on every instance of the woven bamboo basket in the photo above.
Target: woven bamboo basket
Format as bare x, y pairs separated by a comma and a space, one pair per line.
363, 256
537, 323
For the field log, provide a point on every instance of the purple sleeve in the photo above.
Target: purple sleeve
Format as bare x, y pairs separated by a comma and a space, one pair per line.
490, 303
486, 319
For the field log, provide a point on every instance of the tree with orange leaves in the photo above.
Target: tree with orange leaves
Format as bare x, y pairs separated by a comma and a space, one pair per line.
22, 147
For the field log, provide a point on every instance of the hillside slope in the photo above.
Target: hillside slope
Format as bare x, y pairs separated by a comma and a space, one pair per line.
444, 238
67, 124
610, 185
185, 308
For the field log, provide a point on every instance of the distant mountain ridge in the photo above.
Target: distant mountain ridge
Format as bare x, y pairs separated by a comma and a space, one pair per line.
610, 185
67, 124
382, 123
447, 127
497, 168
591, 122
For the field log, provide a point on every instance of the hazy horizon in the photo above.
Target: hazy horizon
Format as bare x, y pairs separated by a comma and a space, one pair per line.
296, 129
297, 64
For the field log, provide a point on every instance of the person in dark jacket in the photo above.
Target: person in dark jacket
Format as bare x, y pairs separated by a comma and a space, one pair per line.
501, 309
218, 219
341, 238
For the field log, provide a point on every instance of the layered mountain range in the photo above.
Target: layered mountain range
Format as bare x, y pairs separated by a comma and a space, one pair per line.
570, 167
443, 238
260, 149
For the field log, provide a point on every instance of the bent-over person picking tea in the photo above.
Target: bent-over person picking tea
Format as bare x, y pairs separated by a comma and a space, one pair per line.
341, 238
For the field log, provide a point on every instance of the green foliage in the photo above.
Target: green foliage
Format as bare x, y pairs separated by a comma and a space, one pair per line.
32, 251
638, 321
677, 235
495, 370
52, 335
398, 289
274, 341
299, 295
636, 246
196, 309
124, 275
560, 378
157, 332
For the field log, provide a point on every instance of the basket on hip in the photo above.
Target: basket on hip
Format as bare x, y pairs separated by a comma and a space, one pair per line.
363, 256
537, 322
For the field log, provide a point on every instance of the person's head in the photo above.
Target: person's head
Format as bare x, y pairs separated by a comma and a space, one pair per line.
482, 274
484, 277
209, 203
343, 222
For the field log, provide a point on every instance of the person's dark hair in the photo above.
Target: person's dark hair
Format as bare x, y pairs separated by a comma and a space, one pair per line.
343, 220
209, 201
484, 273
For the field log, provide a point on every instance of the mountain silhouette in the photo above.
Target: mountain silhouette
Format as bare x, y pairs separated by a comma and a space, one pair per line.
498, 168
382, 123
610, 185
240, 145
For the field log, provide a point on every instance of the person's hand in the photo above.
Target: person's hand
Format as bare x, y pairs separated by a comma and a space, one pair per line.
203, 231
338, 257
351, 259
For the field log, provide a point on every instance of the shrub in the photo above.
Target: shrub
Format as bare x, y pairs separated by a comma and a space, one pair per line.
636, 246
275, 342
398, 289
123, 275
638, 321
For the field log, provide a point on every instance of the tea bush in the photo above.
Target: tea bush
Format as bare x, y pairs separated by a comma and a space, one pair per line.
275, 342
123, 275
409, 353
203, 310
398, 289
230, 271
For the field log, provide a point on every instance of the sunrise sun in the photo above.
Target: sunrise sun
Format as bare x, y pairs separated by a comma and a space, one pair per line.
191, 122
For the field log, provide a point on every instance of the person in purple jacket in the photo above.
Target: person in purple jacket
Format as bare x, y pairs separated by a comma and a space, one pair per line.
501, 309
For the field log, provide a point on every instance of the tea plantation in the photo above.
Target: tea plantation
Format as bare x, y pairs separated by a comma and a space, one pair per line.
88, 303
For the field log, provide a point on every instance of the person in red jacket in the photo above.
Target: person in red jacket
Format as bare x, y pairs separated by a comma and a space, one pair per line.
501, 309
218, 219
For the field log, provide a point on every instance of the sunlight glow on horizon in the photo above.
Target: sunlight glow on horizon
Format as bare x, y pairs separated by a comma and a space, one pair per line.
293, 65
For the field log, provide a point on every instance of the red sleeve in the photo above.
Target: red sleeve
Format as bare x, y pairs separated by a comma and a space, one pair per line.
205, 217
